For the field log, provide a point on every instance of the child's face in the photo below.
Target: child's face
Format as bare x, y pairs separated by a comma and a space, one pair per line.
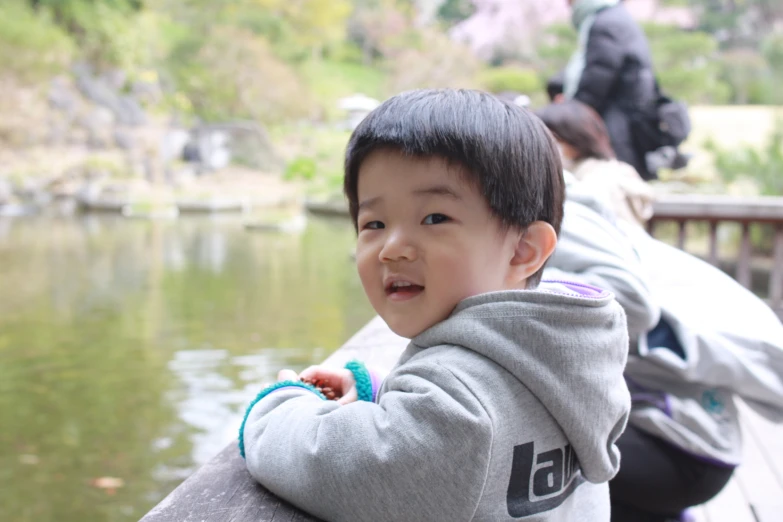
427, 240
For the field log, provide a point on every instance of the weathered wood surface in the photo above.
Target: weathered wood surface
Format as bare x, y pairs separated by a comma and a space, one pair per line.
685, 207
223, 490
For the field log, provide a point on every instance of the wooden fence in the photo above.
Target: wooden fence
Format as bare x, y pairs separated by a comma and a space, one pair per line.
747, 212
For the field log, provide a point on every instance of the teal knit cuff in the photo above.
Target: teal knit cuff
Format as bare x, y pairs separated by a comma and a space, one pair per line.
363, 380
266, 391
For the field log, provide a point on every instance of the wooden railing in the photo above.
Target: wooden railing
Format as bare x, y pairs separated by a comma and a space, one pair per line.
223, 489
747, 212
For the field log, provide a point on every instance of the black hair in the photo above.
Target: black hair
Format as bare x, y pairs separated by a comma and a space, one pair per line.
578, 125
554, 86
504, 149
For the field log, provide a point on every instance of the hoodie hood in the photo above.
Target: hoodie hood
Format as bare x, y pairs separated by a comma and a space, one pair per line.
565, 342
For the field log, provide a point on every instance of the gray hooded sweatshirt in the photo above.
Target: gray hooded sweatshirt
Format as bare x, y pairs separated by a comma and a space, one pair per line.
507, 409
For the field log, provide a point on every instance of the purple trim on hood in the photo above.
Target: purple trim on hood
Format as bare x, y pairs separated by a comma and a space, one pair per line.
658, 400
376, 380
581, 289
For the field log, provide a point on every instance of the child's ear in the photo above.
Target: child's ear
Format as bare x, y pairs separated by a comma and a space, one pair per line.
533, 248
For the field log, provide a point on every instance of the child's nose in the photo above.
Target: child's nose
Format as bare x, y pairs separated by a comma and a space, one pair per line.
398, 246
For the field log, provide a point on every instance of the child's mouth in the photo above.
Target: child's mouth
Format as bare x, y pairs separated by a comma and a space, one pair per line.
403, 290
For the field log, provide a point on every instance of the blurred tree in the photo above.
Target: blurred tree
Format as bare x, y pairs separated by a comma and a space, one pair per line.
380, 28
455, 11
557, 44
772, 47
32, 46
762, 166
432, 60
510, 78
739, 22
313, 25
235, 74
685, 64
746, 72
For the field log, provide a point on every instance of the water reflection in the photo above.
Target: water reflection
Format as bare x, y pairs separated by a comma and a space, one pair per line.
128, 349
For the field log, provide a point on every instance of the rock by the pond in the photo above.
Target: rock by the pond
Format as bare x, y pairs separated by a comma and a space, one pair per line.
102, 91
142, 211
357, 107
17, 210
61, 96
290, 225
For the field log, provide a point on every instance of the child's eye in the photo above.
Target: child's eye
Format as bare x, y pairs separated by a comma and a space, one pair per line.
434, 219
373, 225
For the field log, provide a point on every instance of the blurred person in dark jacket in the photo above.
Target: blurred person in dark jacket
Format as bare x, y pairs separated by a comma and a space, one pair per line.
612, 72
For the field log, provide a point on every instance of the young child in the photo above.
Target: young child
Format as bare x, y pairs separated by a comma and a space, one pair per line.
510, 396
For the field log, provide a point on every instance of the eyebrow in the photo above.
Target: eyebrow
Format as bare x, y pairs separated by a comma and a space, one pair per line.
435, 190
438, 190
369, 203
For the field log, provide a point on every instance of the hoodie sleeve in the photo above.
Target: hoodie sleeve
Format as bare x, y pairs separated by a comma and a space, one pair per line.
593, 250
420, 453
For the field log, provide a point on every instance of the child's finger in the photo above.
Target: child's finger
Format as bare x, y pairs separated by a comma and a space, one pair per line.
328, 376
287, 375
311, 372
351, 396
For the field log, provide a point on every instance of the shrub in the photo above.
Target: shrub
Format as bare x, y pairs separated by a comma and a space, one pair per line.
300, 168
510, 78
236, 75
763, 167
32, 46
433, 61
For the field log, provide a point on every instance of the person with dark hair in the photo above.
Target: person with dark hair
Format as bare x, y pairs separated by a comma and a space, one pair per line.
554, 88
587, 153
507, 402
612, 72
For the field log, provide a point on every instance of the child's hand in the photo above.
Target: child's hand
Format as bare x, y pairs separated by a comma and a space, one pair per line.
340, 380
287, 375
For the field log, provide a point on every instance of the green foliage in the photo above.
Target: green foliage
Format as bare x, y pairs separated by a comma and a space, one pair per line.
773, 51
740, 23
32, 46
344, 78
295, 28
686, 65
234, 74
432, 60
557, 45
763, 167
114, 37
454, 11
316, 154
499, 79
300, 168
750, 78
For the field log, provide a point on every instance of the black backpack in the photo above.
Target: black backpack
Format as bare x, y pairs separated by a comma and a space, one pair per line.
664, 123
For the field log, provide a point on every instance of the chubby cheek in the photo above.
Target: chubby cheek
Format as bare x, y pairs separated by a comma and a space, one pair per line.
456, 278
368, 267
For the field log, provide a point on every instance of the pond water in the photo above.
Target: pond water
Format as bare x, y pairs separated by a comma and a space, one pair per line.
128, 349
